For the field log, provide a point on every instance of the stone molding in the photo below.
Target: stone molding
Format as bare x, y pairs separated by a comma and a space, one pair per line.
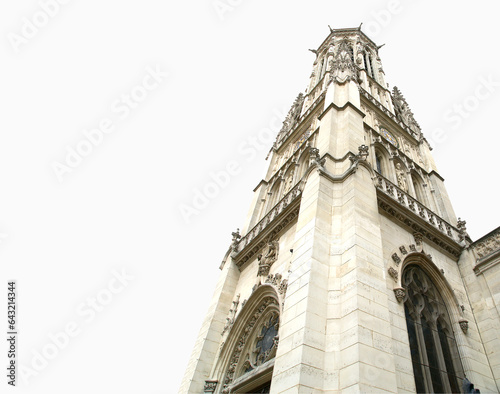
415, 254
487, 262
284, 139
283, 213
388, 113
398, 204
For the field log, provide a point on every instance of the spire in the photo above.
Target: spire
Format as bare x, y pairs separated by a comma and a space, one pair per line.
403, 111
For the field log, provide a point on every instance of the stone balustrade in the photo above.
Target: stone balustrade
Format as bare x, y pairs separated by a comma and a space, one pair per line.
408, 202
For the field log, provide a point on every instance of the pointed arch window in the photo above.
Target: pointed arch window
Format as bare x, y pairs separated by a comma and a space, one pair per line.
381, 162
247, 359
369, 65
418, 186
434, 353
378, 162
323, 68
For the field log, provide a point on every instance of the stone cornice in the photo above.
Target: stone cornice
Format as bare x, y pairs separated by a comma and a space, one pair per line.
437, 175
487, 262
485, 237
352, 30
399, 205
333, 105
262, 182
487, 250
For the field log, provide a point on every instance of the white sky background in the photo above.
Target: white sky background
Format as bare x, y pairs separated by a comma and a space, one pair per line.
120, 207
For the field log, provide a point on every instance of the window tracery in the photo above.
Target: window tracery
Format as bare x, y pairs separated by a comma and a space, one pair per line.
255, 343
434, 352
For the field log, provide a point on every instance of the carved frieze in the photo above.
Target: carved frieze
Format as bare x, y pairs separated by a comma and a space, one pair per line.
489, 245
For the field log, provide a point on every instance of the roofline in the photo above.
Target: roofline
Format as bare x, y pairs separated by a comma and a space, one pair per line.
486, 236
347, 30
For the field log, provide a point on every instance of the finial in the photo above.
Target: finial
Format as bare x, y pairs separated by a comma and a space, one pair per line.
331, 30
359, 28
380, 46
314, 51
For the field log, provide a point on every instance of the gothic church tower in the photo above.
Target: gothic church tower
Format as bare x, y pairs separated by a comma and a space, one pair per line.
352, 272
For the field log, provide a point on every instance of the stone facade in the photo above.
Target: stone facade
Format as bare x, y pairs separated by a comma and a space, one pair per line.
351, 237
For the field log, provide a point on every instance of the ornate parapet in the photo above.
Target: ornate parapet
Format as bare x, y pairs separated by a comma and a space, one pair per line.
282, 214
487, 250
398, 204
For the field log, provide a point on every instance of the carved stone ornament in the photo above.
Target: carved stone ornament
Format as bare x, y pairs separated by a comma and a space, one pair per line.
403, 111
230, 374
276, 281
232, 315
234, 243
462, 229
210, 386
400, 293
342, 66
314, 158
402, 183
396, 258
418, 238
403, 250
268, 257
464, 325
393, 273
292, 117
490, 245
361, 156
